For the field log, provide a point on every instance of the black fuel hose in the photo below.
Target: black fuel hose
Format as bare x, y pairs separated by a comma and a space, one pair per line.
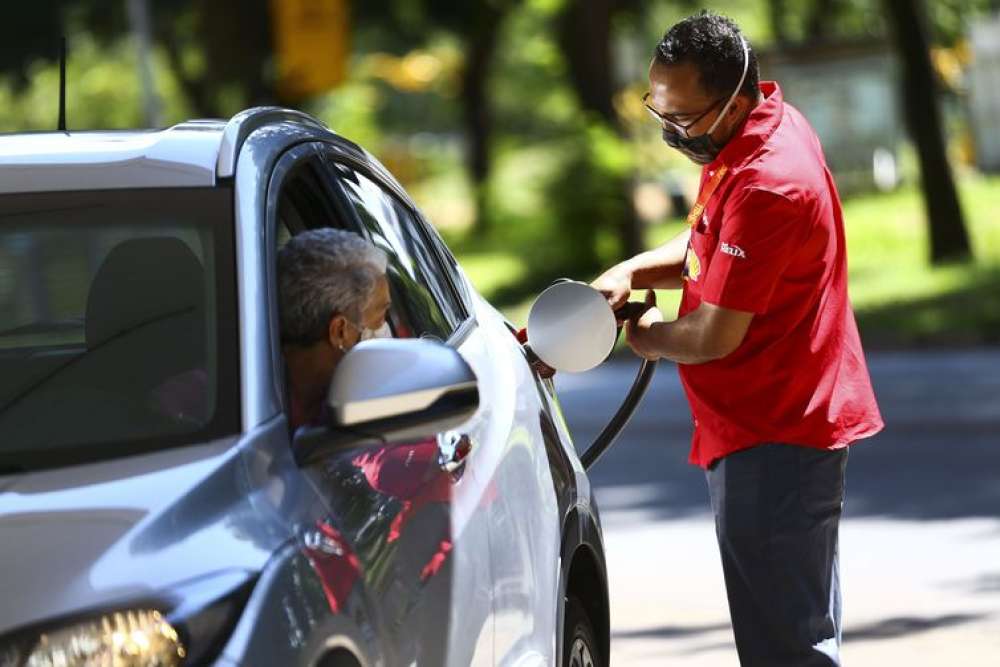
634, 396
614, 427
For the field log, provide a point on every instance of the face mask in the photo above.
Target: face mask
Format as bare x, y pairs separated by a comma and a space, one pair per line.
382, 332
701, 149
369, 334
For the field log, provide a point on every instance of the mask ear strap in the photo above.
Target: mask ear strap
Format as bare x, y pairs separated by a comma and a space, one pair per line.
739, 86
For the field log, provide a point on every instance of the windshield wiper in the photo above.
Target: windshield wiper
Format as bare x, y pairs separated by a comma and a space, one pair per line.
120, 334
35, 328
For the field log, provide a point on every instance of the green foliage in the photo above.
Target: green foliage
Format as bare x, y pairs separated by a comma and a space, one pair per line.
102, 91
587, 202
351, 111
558, 185
898, 298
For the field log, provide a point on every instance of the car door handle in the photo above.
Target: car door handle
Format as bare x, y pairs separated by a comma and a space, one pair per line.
453, 450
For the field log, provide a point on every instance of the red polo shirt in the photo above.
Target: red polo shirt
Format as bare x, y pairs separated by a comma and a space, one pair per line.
771, 242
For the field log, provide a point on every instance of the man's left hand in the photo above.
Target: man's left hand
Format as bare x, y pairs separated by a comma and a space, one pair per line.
640, 333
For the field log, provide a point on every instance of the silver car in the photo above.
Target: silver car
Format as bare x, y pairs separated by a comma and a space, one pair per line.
155, 508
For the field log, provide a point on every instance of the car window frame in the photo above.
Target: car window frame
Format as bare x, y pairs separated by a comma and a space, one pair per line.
467, 321
284, 169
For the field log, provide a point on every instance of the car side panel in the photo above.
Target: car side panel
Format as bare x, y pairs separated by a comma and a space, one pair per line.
523, 509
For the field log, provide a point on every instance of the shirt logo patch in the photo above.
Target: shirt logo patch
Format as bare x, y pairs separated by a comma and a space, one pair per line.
733, 250
692, 267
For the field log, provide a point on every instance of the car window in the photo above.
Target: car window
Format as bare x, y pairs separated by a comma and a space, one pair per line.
450, 268
117, 331
305, 201
422, 302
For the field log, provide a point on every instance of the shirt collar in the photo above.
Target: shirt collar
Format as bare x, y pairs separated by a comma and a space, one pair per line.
756, 129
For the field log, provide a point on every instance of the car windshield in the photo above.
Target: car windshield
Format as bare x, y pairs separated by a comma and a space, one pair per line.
117, 323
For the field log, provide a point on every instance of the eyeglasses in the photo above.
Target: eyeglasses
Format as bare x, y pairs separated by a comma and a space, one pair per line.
667, 121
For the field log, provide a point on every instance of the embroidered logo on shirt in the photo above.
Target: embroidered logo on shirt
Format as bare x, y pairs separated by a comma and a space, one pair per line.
733, 250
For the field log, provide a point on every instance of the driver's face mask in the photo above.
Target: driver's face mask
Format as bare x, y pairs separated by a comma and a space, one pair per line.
382, 332
369, 334
702, 149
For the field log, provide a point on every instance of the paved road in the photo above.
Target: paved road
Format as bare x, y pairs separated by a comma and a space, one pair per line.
920, 540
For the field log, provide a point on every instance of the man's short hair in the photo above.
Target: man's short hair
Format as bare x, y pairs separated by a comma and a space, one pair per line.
714, 45
323, 273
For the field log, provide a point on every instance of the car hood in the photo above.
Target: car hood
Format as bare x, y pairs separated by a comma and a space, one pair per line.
105, 535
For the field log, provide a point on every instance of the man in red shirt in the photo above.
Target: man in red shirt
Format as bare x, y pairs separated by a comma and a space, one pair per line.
765, 341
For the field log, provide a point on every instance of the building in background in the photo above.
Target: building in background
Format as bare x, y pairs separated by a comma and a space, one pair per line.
983, 84
848, 92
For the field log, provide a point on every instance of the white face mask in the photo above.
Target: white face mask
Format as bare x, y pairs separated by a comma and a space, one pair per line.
382, 332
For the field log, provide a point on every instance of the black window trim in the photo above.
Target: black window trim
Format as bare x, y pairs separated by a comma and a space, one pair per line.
284, 168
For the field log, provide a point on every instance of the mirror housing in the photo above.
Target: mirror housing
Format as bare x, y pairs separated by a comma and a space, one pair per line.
391, 389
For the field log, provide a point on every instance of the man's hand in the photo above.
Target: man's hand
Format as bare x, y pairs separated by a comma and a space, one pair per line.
616, 286
639, 332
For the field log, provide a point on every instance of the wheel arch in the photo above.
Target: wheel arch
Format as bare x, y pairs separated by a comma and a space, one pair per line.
584, 575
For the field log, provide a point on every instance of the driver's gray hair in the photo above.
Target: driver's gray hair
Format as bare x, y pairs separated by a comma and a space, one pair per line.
322, 273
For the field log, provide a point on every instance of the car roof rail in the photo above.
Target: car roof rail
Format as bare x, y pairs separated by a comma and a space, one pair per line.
244, 123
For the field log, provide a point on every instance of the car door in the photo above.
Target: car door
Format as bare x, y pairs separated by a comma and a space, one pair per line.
393, 503
384, 540
509, 484
425, 306
524, 514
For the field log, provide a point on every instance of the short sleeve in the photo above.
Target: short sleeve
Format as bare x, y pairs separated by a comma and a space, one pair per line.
760, 233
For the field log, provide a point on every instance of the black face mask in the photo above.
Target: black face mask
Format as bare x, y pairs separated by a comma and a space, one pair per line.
700, 149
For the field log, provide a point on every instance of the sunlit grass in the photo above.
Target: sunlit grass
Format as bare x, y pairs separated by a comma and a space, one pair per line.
899, 297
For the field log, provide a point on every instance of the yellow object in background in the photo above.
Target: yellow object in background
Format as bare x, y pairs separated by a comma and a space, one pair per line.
311, 39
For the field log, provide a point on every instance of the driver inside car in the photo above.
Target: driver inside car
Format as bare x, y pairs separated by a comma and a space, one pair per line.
333, 293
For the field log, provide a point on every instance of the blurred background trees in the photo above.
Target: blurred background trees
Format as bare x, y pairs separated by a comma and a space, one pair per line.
517, 123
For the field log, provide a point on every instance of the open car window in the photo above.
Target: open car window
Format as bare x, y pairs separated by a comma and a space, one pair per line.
423, 304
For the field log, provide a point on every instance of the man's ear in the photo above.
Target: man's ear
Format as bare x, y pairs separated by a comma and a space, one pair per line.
337, 332
740, 106
738, 110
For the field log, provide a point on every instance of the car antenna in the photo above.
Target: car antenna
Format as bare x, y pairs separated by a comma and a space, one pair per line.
62, 83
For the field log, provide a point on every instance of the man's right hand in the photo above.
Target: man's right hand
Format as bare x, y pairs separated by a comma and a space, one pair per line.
616, 286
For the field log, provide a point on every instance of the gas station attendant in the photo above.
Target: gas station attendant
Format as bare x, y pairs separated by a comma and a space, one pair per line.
765, 340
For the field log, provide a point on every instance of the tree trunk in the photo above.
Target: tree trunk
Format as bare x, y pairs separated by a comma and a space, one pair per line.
949, 240
481, 41
821, 19
585, 40
234, 37
777, 12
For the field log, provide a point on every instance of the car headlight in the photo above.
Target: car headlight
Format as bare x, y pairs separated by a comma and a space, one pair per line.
134, 638
202, 614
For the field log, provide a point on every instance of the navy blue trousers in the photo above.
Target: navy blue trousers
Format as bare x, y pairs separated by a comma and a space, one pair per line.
777, 516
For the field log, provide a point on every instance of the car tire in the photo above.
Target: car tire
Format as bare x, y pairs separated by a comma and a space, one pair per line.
580, 648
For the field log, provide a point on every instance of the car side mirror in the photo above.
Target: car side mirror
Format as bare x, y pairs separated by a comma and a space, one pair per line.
392, 389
